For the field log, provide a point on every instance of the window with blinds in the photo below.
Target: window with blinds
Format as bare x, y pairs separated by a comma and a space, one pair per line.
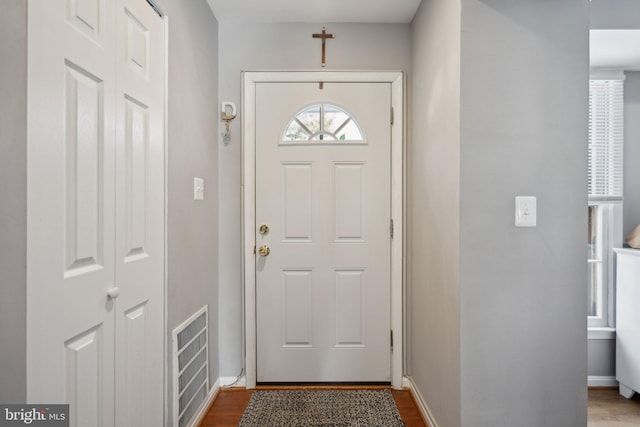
606, 128
606, 137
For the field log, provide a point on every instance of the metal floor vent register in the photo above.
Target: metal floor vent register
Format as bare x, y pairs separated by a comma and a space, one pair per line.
190, 367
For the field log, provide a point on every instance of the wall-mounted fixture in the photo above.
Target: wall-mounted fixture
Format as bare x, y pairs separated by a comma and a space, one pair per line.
228, 114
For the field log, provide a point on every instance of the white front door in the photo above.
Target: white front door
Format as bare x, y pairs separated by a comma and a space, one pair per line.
95, 261
323, 189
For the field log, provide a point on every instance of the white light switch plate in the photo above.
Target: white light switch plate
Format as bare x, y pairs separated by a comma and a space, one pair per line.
198, 189
526, 215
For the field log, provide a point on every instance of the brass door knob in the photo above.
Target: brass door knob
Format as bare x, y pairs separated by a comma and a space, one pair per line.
264, 250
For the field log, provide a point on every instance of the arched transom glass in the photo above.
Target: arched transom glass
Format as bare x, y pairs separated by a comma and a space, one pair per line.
323, 122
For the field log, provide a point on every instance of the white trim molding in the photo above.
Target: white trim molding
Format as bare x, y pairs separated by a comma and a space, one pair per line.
232, 382
408, 382
204, 407
601, 381
249, 81
601, 333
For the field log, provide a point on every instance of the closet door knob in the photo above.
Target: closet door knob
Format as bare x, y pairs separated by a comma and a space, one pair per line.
114, 292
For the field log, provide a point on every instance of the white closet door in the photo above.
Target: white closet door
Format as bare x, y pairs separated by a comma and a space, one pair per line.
77, 293
71, 222
140, 215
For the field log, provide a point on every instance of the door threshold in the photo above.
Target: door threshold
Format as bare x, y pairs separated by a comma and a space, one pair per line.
323, 385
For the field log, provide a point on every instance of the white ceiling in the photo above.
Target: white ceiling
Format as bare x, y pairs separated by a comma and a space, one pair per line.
315, 11
618, 49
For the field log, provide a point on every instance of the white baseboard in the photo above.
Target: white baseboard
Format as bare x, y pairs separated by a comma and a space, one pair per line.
202, 412
422, 406
601, 333
227, 381
406, 382
601, 381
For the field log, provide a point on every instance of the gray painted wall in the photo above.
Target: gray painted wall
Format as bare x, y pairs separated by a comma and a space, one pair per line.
193, 127
13, 193
523, 132
614, 14
249, 46
522, 113
434, 210
602, 358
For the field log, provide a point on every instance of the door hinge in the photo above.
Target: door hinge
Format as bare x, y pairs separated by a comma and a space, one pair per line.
254, 250
391, 228
391, 338
391, 116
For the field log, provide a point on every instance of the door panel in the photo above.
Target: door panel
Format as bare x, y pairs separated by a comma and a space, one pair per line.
140, 215
297, 307
84, 180
349, 310
136, 153
296, 194
348, 201
134, 385
70, 215
323, 291
86, 377
88, 16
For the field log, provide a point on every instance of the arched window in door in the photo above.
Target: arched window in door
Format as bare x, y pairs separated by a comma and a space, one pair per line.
322, 122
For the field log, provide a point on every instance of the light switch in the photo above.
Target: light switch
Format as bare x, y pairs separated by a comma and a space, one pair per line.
198, 189
526, 214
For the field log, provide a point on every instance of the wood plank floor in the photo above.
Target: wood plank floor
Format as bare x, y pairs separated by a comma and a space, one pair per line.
229, 405
608, 409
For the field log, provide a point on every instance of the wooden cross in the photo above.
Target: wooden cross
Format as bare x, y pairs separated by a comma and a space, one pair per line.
324, 36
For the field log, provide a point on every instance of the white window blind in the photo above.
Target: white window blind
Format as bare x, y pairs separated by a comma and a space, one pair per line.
606, 128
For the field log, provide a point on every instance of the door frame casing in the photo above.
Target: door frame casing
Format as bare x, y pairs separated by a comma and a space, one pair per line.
248, 188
